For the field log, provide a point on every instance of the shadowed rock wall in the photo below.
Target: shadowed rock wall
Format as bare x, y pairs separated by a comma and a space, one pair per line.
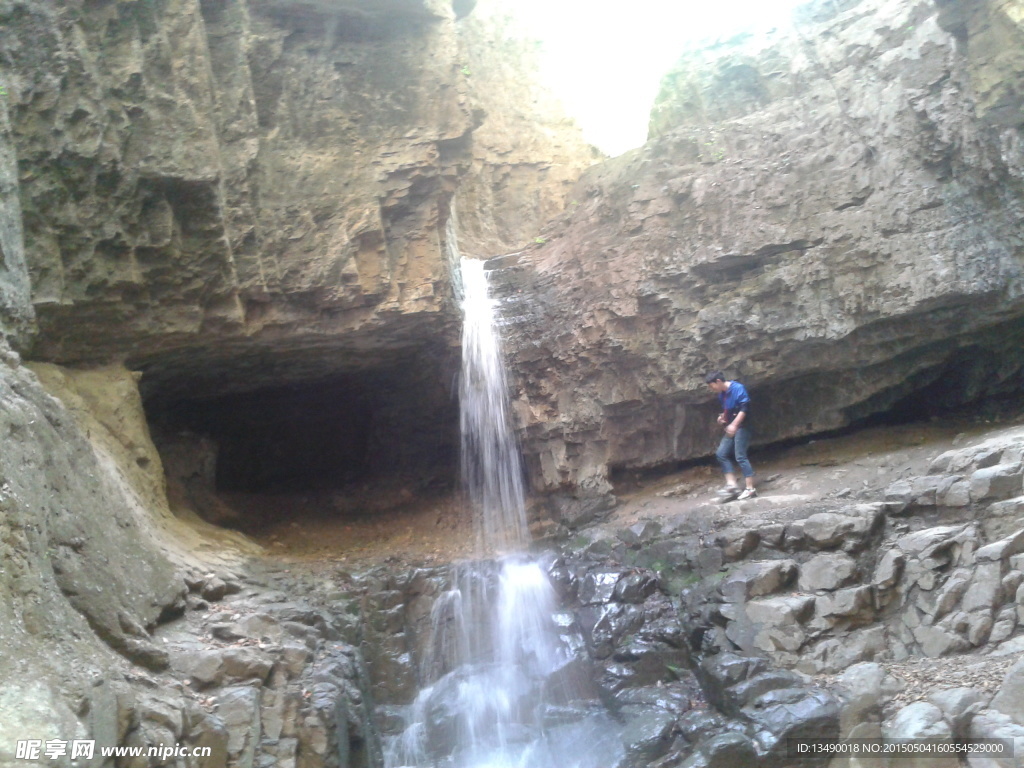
827, 214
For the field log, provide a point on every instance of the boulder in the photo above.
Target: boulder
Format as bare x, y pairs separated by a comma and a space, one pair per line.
1002, 481
1010, 698
757, 579
921, 720
958, 707
993, 724
827, 571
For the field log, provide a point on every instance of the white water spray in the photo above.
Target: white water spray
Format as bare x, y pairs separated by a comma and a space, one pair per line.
491, 467
495, 653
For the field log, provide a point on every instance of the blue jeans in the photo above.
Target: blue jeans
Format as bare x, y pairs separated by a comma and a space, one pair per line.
735, 446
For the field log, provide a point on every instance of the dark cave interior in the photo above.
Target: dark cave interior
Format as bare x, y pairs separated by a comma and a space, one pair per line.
388, 427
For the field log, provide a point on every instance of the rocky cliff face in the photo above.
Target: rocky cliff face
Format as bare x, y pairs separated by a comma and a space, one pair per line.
234, 195
229, 197
831, 214
526, 154
219, 175
16, 315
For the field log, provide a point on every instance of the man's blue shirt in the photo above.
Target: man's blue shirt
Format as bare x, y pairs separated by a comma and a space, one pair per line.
734, 400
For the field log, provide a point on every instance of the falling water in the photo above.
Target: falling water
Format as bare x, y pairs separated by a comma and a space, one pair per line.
491, 467
503, 690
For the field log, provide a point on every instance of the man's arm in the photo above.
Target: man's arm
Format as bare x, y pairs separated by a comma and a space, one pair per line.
736, 423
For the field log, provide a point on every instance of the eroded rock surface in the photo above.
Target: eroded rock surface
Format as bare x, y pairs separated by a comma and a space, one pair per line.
822, 214
238, 195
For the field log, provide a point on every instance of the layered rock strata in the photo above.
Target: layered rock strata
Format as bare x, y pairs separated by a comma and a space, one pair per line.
237, 195
527, 154
829, 214
216, 177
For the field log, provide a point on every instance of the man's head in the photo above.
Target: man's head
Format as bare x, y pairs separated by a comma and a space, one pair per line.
716, 381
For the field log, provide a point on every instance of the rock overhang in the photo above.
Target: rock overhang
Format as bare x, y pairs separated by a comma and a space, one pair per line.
843, 243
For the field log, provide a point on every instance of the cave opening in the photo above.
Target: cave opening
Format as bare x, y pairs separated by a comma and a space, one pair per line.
352, 444
978, 381
975, 381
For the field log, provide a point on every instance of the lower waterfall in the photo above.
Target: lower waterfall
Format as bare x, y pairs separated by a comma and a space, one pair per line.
503, 691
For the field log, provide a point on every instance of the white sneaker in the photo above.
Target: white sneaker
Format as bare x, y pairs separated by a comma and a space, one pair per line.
729, 490
748, 493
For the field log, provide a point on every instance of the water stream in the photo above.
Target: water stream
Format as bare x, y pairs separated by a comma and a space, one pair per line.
503, 690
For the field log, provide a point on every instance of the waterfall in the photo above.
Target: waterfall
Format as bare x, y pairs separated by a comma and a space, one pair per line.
503, 689
491, 468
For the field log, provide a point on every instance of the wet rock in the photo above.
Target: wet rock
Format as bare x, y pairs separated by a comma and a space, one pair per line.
792, 713
648, 735
699, 724
753, 688
720, 672
609, 625
726, 750
598, 586
635, 587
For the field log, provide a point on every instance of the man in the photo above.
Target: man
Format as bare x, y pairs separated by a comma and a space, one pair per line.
735, 416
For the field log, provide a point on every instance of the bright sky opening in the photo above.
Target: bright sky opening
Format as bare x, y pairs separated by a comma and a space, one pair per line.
605, 58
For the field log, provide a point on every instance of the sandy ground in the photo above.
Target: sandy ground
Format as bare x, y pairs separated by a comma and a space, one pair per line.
360, 528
